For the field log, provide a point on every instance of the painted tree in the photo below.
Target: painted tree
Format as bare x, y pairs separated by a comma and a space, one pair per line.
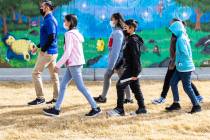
29, 8
200, 7
5, 9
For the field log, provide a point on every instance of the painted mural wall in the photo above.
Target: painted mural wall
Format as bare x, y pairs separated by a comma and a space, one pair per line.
19, 23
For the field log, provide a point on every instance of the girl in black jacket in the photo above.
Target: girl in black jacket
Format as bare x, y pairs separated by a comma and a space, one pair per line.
132, 65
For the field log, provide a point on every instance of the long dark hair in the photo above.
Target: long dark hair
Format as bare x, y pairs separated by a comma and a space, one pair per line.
120, 20
72, 19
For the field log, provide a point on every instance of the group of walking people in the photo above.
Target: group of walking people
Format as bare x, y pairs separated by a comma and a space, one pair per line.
124, 59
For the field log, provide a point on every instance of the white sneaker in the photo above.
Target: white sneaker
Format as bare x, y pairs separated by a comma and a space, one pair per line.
115, 113
160, 100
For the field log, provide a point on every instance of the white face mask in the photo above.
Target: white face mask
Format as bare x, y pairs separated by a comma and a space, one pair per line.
65, 27
112, 24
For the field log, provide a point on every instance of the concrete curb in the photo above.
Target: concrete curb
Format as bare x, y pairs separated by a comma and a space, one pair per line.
24, 74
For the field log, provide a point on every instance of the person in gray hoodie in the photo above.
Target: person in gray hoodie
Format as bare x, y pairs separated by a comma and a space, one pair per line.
115, 51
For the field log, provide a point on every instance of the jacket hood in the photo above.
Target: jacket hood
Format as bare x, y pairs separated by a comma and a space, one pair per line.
77, 34
137, 38
177, 28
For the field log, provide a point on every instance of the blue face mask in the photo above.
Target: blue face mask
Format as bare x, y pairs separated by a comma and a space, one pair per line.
65, 27
112, 24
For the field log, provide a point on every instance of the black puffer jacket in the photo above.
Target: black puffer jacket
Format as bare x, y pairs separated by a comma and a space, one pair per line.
132, 53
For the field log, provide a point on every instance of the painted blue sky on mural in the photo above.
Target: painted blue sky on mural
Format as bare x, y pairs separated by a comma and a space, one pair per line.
94, 15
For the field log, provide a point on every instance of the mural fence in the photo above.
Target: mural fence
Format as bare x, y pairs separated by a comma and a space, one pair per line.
20, 29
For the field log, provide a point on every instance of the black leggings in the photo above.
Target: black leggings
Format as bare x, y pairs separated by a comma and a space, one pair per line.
135, 87
166, 84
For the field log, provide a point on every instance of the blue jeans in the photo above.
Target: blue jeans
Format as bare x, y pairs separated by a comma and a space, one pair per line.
75, 73
185, 77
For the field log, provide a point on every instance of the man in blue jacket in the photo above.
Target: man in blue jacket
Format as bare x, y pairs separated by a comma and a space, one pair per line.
48, 54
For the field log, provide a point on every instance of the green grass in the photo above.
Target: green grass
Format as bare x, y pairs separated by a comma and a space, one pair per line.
161, 36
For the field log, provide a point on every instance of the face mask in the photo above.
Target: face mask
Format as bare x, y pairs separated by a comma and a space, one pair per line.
65, 27
126, 34
42, 12
112, 24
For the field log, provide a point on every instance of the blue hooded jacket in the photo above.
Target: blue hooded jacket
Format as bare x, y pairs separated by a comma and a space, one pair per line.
183, 61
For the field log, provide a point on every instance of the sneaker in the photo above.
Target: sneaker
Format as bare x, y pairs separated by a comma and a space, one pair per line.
51, 112
160, 100
116, 112
139, 111
126, 101
195, 109
100, 99
174, 106
199, 99
37, 101
94, 112
51, 101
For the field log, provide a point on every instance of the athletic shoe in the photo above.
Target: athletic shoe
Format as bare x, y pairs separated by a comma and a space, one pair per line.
195, 109
199, 99
116, 112
100, 99
126, 101
139, 111
37, 101
174, 106
51, 112
160, 100
51, 101
94, 112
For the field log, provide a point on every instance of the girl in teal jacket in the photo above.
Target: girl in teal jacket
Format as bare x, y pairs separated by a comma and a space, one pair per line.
184, 67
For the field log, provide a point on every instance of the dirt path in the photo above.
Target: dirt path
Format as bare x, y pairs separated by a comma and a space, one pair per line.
21, 122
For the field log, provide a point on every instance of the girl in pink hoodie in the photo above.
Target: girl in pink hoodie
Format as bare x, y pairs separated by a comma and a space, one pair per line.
73, 58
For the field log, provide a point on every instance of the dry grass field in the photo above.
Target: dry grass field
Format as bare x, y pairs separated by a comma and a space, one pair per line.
21, 122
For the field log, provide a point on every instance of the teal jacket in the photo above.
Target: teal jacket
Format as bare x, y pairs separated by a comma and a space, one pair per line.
183, 61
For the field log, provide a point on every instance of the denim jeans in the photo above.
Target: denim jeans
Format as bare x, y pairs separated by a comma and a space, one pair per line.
185, 77
75, 73
166, 84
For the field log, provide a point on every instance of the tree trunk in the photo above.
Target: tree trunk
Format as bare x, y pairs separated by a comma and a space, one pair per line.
13, 15
29, 22
198, 19
20, 20
5, 29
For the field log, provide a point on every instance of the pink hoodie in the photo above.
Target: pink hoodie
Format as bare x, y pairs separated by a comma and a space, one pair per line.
73, 50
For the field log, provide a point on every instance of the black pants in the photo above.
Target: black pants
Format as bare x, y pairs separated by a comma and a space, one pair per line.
135, 88
166, 84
